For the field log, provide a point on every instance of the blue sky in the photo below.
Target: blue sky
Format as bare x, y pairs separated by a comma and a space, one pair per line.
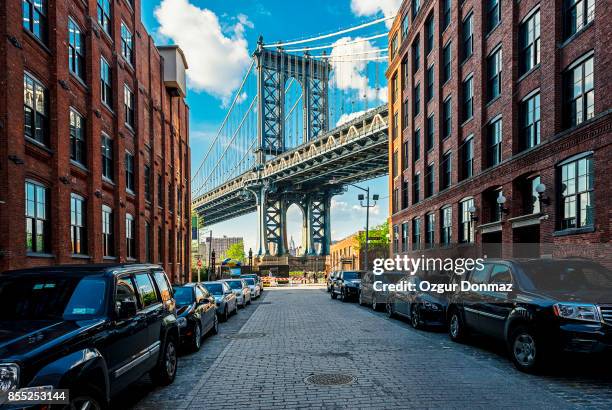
231, 28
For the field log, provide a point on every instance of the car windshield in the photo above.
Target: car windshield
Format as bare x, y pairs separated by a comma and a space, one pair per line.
214, 288
183, 295
235, 284
52, 297
567, 276
250, 281
351, 275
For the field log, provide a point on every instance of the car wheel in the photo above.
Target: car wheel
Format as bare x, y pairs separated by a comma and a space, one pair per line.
196, 342
456, 327
86, 398
215, 327
389, 309
374, 303
165, 371
225, 314
524, 349
415, 317
360, 299
333, 294
343, 295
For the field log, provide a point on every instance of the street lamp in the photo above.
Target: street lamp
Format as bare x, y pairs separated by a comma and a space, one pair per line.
473, 218
540, 189
250, 260
501, 200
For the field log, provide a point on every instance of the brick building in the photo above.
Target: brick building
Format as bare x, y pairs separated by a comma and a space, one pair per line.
94, 142
348, 254
501, 125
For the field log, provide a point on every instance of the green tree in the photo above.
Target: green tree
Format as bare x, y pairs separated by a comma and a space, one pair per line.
236, 251
377, 236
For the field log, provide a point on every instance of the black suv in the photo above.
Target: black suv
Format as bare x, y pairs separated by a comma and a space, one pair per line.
92, 329
346, 285
554, 305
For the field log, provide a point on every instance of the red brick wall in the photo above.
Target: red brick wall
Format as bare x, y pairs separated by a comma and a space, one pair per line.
160, 138
556, 143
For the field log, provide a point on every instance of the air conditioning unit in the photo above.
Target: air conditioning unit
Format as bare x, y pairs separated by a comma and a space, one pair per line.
175, 66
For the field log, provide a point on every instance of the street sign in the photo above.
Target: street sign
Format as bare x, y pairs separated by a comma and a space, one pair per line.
199, 263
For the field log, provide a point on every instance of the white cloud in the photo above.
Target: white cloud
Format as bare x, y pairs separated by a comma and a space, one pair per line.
218, 55
344, 118
389, 8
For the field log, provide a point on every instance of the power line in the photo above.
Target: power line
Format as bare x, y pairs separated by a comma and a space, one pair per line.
337, 33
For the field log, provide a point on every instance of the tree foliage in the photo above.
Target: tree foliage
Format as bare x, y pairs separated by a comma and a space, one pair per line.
236, 251
377, 236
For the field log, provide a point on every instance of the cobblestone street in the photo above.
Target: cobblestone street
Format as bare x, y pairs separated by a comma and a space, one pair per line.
261, 358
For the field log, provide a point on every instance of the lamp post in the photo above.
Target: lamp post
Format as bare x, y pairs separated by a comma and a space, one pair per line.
250, 260
501, 201
473, 218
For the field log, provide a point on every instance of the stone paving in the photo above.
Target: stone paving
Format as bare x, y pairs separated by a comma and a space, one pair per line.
261, 358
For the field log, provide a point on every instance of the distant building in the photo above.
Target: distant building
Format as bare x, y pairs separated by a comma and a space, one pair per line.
347, 254
219, 245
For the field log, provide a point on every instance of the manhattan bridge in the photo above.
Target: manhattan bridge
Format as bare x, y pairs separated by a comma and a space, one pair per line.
309, 117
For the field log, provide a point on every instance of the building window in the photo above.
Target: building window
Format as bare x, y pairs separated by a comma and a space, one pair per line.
129, 172
446, 171
76, 50
34, 14
468, 98
416, 152
429, 34
493, 14
406, 148
395, 239
395, 200
171, 198
405, 190
429, 180
405, 25
494, 74
127, 43
405, 73
429, 90
78, 148
429, 143
106, 91
108, 231
417, 100
107, 157
578, 14
394, 131
446, 63
530, 122
37, 222
416, 233
394, 164
104, 15
467, 37
160, 245
580, 94
447, 112
160, 191
494, 142
494, 212
446, 14
416, 54
416, 6
148, 242
576, 182
405, 237
394, 88
406, 116
466, 228
529, 43
128, 105
130, 241
78, 225
531, 198
147, 182
394, 46
430, 226
446, 225
416, 188
467, 158
35, 107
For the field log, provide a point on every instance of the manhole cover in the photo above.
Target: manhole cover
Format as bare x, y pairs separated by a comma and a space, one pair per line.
330, 379
242, 336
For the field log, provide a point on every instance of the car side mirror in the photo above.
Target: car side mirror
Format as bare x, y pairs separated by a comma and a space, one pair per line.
127, 309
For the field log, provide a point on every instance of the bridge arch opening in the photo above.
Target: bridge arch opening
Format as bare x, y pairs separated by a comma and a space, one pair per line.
293, 121
296, 230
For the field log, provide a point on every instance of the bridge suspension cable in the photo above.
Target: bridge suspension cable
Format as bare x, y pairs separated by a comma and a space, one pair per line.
334, 34
359, 40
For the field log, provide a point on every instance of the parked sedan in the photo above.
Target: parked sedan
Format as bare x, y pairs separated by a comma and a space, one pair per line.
346, 285
553, 306
253, 287
372, 292
241, 290
224, 298
197, 314
330, 279
257, 280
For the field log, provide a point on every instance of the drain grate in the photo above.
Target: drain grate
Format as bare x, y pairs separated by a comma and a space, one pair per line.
243, 336
330, 379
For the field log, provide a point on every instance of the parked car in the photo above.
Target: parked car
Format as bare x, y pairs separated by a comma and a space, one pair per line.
330, 279
423, 308
253, 287
346, 285
225, 298
562, 305
92, 329
196, 311
376, 298
257, 280
241, 290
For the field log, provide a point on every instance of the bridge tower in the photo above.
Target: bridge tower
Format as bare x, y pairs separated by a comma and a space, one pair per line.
274, 68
